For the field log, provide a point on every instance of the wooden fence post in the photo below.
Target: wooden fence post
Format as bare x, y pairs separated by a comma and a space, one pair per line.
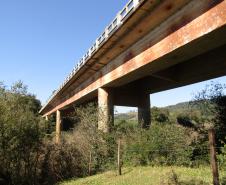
119, 158
213, 157
90, 163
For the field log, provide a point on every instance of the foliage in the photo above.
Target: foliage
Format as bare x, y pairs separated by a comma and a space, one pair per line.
61, 161
21, 133
185, 121
212, 103
161, 145
222, 158
28, 154
89, 140
159, 115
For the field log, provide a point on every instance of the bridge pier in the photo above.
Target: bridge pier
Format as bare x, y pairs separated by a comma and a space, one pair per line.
133, 98
167, 53
47, 118
144, 113
108, 97
106, 109
58, 126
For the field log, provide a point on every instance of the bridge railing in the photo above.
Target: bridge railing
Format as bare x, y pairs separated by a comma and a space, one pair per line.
109, 30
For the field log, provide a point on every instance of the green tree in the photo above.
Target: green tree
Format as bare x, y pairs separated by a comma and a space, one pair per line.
21, 134
212, 103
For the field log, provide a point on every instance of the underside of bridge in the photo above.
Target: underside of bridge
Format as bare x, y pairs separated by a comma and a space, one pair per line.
169, 45
136, 93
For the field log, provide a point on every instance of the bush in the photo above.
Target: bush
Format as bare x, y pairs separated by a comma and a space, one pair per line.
185, 121
28, 154
21, 134
60, 162
222, 158
159, 115
89, 140
161, 145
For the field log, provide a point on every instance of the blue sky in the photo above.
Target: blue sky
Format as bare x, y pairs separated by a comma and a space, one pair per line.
41, 41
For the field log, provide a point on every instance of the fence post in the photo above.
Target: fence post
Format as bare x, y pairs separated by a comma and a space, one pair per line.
213, 157
90, 163
119, 158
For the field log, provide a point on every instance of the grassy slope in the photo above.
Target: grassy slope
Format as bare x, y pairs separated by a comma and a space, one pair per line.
147, 176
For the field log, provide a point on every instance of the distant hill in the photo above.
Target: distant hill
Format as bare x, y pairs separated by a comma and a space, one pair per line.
179, 106
130, 116
173, 109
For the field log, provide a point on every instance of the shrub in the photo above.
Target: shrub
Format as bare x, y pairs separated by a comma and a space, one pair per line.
21, 134
28, 154
222, 158
60, 162
161, 145
185, 121
89, 140
159, 115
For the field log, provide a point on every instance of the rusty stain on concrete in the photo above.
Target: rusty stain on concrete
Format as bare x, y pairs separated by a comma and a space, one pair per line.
184, 32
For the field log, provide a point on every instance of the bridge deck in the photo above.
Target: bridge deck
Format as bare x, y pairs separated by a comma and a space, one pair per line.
163, 44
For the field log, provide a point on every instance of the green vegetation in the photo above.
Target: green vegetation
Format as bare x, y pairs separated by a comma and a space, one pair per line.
222, 158
149, 176
178, 137
161, 145
21, 134
28, 155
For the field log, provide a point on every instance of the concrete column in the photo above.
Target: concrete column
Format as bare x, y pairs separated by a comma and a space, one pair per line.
58, 126
106, 109
47, 118
144, 113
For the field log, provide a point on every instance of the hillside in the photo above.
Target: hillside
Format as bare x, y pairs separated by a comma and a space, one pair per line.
173, 109
148, 176
178, 107
130, 116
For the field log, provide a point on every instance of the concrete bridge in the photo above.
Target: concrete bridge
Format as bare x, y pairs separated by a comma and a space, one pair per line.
151, 46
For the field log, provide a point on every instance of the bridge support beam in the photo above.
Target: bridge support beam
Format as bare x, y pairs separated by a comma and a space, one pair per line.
106, 109
144, 113
133, 98
58, 126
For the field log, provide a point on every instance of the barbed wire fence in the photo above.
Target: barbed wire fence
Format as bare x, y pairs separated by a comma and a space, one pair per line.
209, 149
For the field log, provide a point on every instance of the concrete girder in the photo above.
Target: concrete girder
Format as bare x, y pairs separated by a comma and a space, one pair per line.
195, 29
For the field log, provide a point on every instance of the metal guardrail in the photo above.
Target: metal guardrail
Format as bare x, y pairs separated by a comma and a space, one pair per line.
109, 30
